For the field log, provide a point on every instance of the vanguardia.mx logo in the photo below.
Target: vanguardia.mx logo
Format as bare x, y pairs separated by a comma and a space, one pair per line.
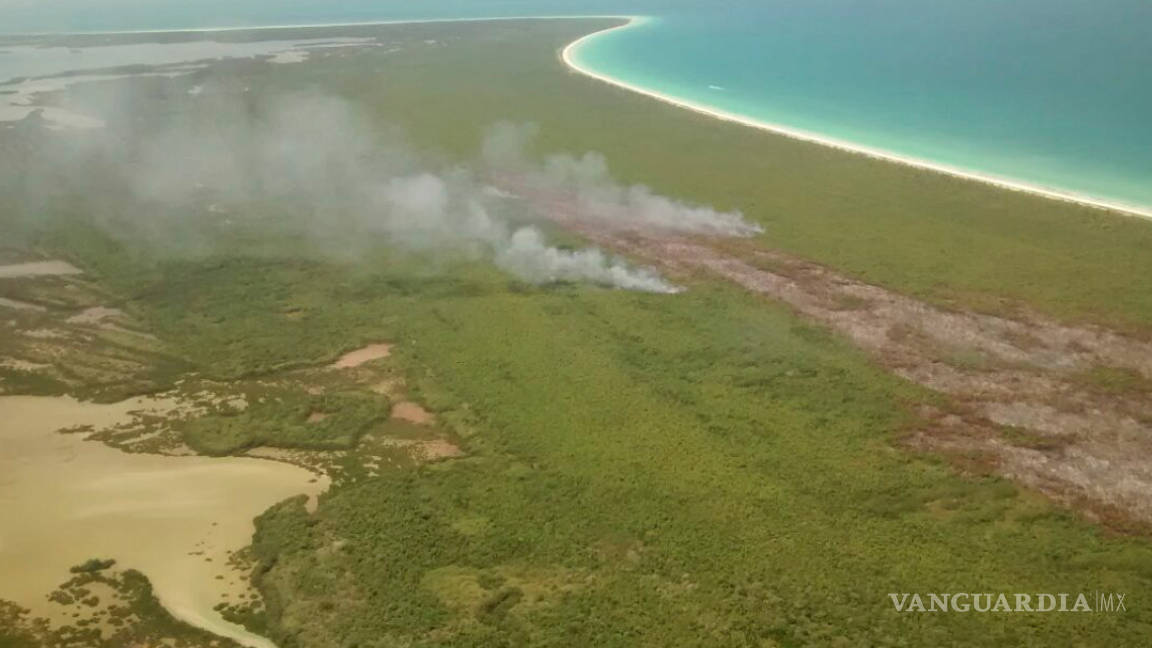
1015, 602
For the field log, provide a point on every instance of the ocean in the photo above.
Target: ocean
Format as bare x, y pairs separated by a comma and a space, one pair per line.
1056, 94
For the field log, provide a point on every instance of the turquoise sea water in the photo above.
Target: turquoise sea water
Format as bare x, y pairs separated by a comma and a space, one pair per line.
1056, 93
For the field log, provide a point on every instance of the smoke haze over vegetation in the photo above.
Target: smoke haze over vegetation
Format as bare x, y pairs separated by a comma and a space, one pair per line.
334, 172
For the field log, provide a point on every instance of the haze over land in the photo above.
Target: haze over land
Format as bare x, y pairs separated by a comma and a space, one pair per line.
340, 174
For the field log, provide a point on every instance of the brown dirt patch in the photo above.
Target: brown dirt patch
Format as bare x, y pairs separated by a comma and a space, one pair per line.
362, 355
411, 412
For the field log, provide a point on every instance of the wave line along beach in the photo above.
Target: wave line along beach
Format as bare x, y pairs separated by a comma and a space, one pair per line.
569, 55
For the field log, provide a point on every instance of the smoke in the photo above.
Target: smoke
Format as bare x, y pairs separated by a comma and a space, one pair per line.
317, 167
589, 192
429, 211
526, 255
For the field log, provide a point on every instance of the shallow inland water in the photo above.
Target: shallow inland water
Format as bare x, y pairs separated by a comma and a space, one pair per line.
64, 500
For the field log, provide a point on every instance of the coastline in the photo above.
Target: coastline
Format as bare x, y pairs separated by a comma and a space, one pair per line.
569, 57
364, 23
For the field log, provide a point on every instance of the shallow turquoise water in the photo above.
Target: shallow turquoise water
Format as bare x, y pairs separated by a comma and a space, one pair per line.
1057, 94
1052, 92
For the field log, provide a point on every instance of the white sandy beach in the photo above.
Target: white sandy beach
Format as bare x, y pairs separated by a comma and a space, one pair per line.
570, 57
367, 23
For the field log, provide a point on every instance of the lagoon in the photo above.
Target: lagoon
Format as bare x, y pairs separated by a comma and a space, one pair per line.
64, 500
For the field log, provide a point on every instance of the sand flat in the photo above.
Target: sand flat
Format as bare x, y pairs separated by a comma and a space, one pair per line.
64, 500
94, 315
362, 355
411, 412
19, 305
37, 269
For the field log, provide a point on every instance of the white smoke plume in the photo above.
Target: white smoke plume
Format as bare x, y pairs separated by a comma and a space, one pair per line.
334, 170
583, 186
527, 256
427, 211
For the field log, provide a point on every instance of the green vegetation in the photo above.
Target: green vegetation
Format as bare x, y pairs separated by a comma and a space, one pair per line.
50, 352
696, 470
1116, 380
701, 469
125, 612
282, 419
23, 381
93, 565
920, 233
12, 632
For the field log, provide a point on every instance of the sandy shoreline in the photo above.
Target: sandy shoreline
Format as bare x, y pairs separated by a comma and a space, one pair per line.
366, 23
568, 55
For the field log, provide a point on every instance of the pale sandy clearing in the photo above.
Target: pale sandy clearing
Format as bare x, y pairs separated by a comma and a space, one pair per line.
94, 315
291, 56
37, 269
19, 305
362, 355
411, 412
22, 365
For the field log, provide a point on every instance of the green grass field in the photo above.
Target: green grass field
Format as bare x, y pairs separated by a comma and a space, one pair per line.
921, 233
701, 469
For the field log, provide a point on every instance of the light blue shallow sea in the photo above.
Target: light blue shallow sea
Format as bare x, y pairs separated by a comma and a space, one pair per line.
1056, 93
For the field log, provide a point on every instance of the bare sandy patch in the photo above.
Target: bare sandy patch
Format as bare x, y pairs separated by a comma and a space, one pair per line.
46, 334
291, 56
316, 417
19, 305
94, 315
37, 269
438, 449
22, 365
411, 412
362, 355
